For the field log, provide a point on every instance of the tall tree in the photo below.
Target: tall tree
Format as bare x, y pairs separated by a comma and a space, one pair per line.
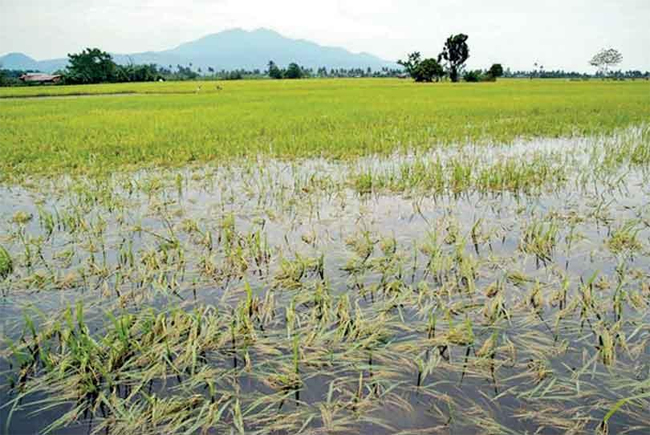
92, 65
455, 53
606, 59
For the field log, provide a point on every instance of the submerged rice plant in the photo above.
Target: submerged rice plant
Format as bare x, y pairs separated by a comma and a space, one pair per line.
450, 279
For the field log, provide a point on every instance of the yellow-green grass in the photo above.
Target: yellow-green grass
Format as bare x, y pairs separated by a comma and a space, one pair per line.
171, 124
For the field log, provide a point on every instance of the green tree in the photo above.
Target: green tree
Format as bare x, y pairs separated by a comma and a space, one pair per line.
294, 71
274, 71
455, 53
92, 65
138, 73
186, 73
411, 63
495, 72
474, 76
428, 70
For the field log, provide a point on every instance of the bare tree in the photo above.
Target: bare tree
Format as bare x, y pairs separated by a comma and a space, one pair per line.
606, 59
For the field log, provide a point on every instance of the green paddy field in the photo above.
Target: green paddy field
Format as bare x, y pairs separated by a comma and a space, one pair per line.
173, 124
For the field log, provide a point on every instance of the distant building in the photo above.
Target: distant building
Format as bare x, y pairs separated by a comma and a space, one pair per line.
42, 79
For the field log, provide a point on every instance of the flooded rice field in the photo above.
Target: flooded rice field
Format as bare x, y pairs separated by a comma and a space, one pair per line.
499, 289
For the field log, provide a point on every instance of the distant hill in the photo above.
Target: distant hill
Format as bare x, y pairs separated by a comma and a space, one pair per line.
231, 49
20, 61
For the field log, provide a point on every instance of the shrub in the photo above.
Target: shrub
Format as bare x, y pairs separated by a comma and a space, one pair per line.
474, 76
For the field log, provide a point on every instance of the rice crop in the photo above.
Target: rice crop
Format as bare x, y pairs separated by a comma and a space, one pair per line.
170, 124
492, 281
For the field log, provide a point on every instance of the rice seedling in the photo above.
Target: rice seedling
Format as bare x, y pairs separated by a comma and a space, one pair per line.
540, 239
6, 263
624, 239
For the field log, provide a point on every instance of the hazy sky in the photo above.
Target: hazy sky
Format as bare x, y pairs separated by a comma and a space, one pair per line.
556, 33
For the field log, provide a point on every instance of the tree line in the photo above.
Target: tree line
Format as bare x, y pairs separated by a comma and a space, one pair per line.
450, 63
93, 65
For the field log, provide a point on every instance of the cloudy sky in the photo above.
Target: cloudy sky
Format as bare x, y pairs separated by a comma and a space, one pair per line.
556, 33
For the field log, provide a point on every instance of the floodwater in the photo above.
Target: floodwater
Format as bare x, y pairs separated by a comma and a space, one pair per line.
194, 238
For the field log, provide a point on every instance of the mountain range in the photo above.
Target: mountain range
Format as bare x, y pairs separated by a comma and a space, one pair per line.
227, 50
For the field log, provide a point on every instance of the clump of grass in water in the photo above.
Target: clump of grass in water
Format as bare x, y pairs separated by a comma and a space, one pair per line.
624, 239
540, 239
6, 264
460, 174
606, 346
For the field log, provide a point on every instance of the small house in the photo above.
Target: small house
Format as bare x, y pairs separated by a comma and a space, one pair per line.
42, 79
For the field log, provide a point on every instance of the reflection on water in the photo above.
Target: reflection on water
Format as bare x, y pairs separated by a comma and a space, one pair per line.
467, 312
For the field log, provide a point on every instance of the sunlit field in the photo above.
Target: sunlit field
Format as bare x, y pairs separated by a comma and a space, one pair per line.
326, 257
181, 123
